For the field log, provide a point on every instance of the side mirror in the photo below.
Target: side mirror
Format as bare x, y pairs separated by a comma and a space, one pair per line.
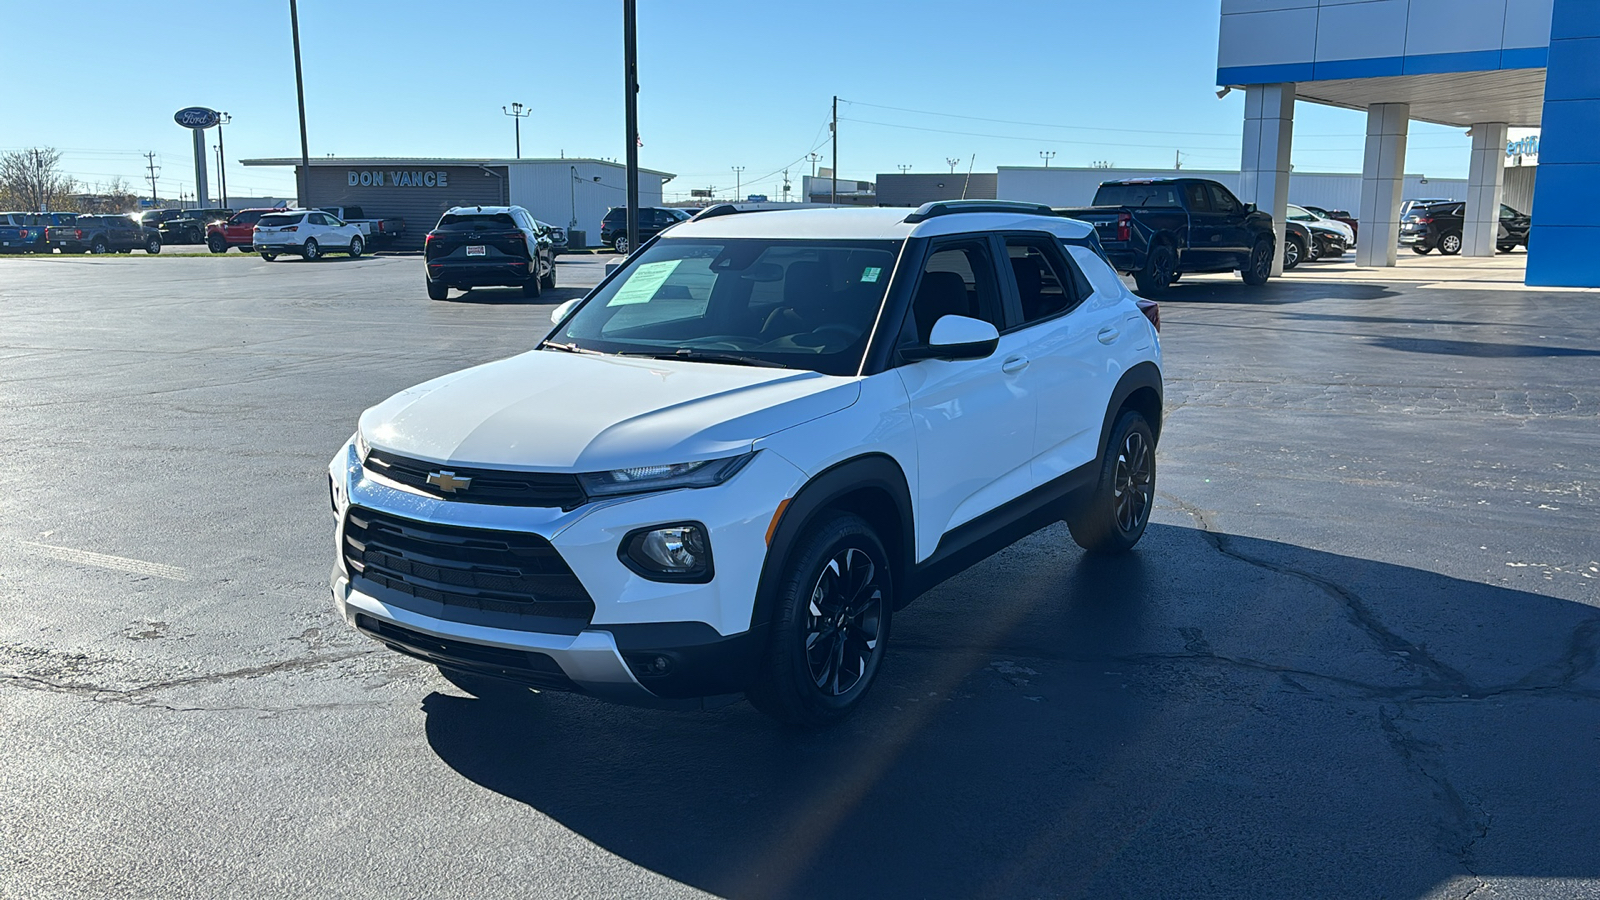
956, 337
560, 312
1250, 207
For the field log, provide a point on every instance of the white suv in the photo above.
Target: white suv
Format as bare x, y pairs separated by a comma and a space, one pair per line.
308, 232
731, 463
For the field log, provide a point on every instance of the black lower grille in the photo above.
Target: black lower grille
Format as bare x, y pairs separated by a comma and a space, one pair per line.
525, 666
471, 568
471, 485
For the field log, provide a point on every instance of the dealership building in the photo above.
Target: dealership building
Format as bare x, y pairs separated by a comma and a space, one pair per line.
1487, 65
569, 193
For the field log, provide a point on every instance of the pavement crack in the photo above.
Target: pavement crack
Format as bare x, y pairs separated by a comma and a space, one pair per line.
141, 694
1464, 821
1439, 675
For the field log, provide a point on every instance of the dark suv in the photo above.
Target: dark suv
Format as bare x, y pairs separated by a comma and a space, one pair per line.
479, 246
1438, 226
190, 226
105, 234
652, 220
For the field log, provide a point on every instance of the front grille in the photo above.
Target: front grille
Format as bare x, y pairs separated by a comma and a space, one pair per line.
490, 486
468, 568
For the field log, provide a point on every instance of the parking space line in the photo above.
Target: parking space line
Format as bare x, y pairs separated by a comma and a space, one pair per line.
107, 561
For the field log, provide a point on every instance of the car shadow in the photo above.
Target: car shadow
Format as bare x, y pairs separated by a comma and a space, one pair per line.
511, 295
1476, 349
1276, 292
1209, 716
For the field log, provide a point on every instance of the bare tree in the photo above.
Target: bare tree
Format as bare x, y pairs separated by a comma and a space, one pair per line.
32, 179
108, 199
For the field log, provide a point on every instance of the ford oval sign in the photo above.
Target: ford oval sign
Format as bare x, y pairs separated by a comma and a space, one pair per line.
196, 117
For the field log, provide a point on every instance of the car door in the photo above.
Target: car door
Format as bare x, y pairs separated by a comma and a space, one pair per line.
1064, 329
973, 420
1205, 229
1232, 219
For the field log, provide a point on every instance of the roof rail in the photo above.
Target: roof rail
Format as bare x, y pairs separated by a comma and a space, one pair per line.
720, 209
951, 207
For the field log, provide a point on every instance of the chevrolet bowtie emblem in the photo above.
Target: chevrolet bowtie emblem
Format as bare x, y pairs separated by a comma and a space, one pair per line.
447, 481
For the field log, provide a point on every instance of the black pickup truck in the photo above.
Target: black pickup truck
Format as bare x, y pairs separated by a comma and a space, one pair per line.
1157, 229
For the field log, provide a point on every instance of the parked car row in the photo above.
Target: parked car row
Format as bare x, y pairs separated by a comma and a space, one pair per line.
22, 232
1426, 227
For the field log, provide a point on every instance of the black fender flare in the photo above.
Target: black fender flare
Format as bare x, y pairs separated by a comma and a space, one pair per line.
1144, 375
871, 472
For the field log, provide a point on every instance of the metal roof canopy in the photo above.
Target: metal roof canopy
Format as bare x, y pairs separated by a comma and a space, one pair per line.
1462, 99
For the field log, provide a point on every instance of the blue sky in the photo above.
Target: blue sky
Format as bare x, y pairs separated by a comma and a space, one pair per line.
723, 84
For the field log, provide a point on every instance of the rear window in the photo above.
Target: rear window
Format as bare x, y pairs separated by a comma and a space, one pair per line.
246, 218
475, 221
1160, 196
277, 221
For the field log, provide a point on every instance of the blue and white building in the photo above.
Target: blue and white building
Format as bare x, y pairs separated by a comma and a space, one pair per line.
1488, 65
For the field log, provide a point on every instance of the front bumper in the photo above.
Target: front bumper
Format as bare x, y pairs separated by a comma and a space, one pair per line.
647, 643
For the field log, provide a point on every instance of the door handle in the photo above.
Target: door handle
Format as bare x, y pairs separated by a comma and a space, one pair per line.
1014, 365
1108, 335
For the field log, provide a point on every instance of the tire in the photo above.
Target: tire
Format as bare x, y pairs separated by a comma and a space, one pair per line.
533, 287
152, 246
1505, 248
1159, 266
620, 245
1314, 250
1114, 518
99, 246
548, 282
1293, 251
216, 243
835, 598
1420, 250
1450, 243
1258, 268
269, 257
310, 250
356, 246
438, 291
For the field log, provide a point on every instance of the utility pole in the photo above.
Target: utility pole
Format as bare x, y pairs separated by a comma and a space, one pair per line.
834, 128
222, 156
300, 94
1177, 159
953, 161
516, 112
1047, 155
150, 160
738, 182
630, 86
786, 185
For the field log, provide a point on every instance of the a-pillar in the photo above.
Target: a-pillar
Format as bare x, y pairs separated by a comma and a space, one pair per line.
1486, 178
1382, 179
1264, 165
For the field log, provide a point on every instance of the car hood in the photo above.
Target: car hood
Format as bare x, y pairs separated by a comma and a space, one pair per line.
554, 411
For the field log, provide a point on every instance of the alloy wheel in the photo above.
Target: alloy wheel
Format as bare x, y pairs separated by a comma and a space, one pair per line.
1134, 483
1450, 244
844, 622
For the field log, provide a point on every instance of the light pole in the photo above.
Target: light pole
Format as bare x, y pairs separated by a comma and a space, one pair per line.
738, 181
630, 87
222, 156
813, 156
573, 190
1047, 155
300, 94
953, 163
519, 113
903, 169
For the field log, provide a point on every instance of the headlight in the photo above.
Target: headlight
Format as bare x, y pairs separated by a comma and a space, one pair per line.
361, 447
669, 552
705, 473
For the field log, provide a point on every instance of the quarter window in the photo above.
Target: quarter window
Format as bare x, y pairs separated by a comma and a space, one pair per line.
1045, 284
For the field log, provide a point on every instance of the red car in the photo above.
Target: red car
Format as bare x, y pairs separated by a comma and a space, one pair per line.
238, 231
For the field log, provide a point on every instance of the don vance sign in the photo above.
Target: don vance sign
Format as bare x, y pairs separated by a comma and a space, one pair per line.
392, 178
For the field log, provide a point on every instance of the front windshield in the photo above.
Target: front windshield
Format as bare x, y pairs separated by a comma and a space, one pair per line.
800, 304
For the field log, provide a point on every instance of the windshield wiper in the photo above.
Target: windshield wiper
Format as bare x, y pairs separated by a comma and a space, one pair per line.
689, 354
570, 348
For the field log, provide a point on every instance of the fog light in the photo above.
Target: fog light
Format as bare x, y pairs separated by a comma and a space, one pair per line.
669, 552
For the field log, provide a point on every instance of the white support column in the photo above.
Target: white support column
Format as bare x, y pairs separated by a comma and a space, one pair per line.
1382, 179
1486, 179
1264, 164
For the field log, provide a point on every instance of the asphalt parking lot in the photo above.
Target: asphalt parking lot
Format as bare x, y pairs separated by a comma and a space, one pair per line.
1354, 655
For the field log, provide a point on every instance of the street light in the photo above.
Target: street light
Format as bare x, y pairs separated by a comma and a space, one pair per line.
1047, 155
300, 94
903, 169
222, 155
517, 112
953, 161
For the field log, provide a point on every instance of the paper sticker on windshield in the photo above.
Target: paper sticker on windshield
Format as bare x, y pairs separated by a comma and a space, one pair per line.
644, 281
870, 274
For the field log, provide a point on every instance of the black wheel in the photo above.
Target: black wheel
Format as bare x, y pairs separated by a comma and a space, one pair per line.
1420, 250
1450, 243
269, 257
485, 687
356, 246
216, 243
98, 245
1114, 518
533, 287
1505, 248
1258, 268
438, 291
829, 627
152, 245
1159, 267
1294, 250
310, 250
1313, 250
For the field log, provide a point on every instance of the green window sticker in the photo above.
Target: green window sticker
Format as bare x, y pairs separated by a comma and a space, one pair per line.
870, 274
643, 283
